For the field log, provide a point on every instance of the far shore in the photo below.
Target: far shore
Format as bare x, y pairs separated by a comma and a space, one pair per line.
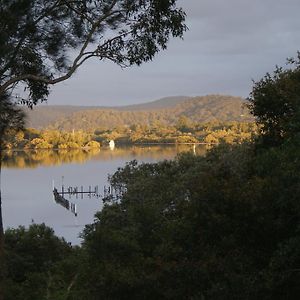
107, 146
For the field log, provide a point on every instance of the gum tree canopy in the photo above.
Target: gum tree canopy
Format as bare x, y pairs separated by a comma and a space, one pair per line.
275, 103
43, 42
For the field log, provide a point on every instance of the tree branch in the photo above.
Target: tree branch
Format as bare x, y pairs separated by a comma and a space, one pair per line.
71, 285
76, 63
23, 37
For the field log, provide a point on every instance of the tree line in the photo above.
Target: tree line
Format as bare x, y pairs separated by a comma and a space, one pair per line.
184, 131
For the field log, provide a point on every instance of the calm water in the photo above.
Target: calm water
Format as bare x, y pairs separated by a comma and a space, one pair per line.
27, 180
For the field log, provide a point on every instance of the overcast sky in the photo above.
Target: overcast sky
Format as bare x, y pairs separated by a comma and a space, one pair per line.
229, 43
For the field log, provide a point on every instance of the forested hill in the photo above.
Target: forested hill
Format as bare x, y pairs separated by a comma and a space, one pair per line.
167, 102
166, 111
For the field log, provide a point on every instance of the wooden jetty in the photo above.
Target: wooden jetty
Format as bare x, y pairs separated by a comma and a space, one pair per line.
74, 191
110, 195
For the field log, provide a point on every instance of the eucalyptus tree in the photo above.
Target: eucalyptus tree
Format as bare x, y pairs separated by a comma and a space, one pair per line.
275, 103
44, 42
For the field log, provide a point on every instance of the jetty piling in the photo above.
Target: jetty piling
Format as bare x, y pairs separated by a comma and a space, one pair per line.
59, 196
74, 191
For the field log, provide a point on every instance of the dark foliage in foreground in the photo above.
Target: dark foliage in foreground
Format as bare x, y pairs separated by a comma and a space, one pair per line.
39, 265
224, 226
221, 227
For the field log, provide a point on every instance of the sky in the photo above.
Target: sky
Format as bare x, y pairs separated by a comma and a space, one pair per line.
228, 44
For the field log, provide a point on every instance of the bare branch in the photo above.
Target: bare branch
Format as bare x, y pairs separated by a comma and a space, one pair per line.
71, 285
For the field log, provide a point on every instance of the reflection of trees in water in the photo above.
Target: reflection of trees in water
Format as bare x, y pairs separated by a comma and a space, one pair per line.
35, 158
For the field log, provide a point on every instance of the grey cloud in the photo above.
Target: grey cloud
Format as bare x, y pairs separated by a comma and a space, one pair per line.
229, 43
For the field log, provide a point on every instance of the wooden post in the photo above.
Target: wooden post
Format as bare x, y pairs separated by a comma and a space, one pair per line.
62, 185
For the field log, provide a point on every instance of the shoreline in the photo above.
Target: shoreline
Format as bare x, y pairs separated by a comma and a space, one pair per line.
107, 146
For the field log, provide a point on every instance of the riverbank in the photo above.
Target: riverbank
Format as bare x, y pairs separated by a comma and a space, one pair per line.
198, 134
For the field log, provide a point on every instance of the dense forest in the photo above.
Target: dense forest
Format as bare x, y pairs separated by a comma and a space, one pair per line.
220, 226
166, 111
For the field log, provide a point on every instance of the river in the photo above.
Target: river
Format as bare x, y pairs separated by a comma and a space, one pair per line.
27, 183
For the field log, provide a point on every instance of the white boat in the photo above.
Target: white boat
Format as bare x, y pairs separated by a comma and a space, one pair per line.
111, 144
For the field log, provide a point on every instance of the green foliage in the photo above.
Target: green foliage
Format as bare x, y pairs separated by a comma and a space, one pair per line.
37, 248
39, 264
275, 103
216, 227
223, 226
12, 119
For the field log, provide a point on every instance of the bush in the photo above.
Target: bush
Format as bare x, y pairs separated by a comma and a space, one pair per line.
92, 144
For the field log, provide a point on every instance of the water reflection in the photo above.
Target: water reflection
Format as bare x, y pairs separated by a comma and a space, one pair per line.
33, 159
68, 205
28, 178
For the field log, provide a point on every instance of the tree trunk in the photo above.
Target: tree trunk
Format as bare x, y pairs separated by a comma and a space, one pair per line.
2, 262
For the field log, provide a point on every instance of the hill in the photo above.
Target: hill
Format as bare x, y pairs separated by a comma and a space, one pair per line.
162, 103
45, 115
200, 109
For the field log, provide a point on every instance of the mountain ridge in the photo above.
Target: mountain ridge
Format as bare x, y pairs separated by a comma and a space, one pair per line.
165, 110
165, 102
